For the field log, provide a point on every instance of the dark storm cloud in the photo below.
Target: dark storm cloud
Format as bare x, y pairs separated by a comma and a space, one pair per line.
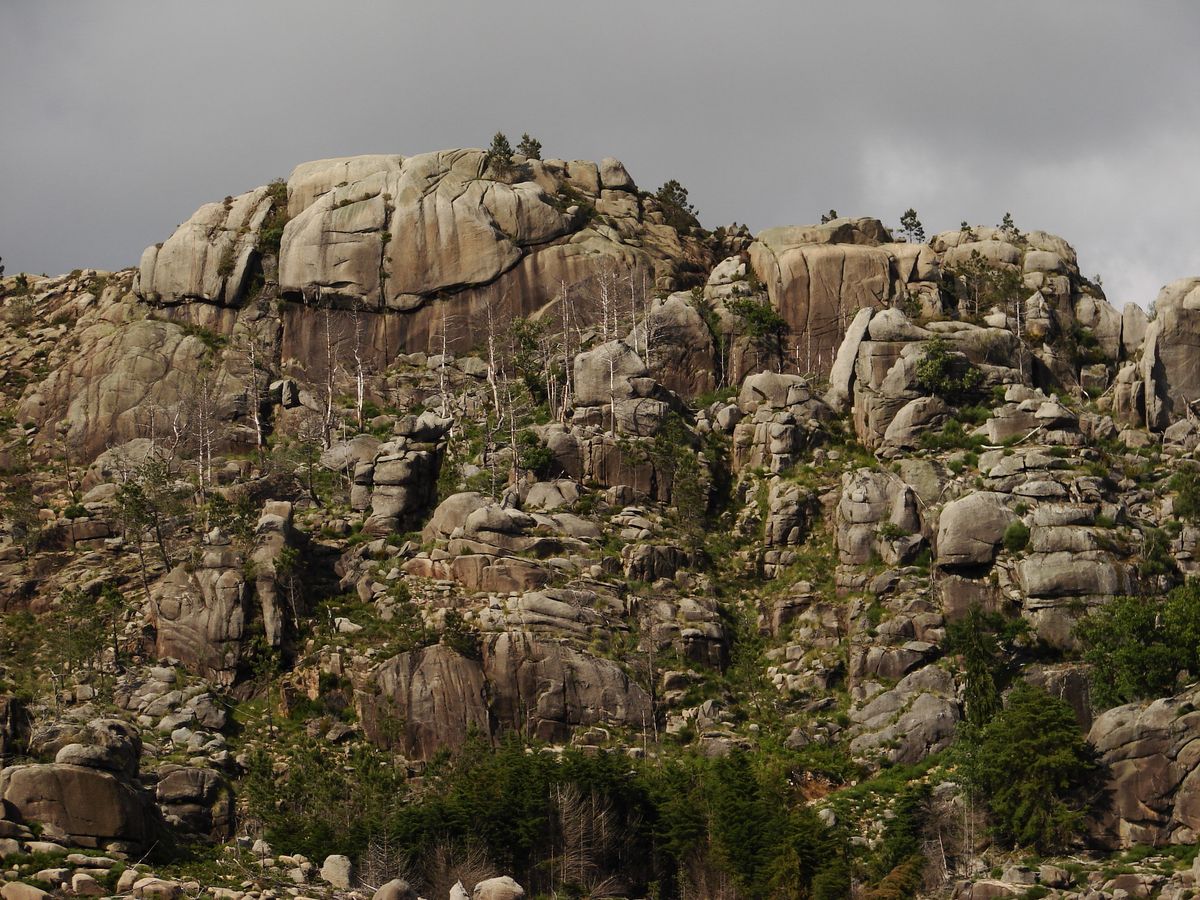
118, 119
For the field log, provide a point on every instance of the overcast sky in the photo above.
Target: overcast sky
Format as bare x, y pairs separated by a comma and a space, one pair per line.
118, 119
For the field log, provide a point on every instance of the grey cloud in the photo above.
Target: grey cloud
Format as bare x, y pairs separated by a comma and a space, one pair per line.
120, 118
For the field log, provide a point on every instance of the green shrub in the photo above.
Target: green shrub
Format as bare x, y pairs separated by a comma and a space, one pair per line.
534, 456
1156, 560
1186, 485
1016, 536
1138, 645
760, 318
944, 373
678, 212
459, 636
952, 437
499, 154
75, 511
530, 147
270, 235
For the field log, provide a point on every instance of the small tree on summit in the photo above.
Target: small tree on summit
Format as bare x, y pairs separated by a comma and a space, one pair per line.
911, 227
679, 213
499, 155
530, 147
1009, 227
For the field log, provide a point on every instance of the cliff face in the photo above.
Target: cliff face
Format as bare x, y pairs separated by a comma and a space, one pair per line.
414, 452
437, 239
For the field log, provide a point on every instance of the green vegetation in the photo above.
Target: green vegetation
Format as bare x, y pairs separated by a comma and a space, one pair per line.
952, 437
947, 374
1016, 536
1157, 561
530, 147
270, 236
1033, 770
500, 154
1186, 485
534, 456
1010, 229
651, 823
911, 227
986, 644
1138, 646
678, 212
211, 340
759, 318
977, 285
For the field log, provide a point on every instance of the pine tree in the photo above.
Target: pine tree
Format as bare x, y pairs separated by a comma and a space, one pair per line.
679, 213
1035, 771
530, 147
1009, 227
499, 155
911, 226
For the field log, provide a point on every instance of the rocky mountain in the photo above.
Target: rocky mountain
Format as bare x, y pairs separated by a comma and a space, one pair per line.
464, 517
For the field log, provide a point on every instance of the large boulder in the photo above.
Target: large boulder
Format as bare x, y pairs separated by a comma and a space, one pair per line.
198, 800
971, 528
603, 375
106, 389
91, 807
907, 723
425, 700
386, 233
872, 506
841, 375
109, 744
679, 346
274, 538
501, 888
1153, 759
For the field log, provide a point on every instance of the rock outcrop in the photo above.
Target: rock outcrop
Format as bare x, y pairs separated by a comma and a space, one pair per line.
201, 613
391, 234
1170, 363
1153, 757
430, 699
87, 806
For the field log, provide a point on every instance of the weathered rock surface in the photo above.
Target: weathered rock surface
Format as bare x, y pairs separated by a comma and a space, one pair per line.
200, 616
92, 807
1153, 755
197, 800
501, 888
971, 528
915, 718
211, 256
1170, 363
818, 277
405, 234
430, 699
